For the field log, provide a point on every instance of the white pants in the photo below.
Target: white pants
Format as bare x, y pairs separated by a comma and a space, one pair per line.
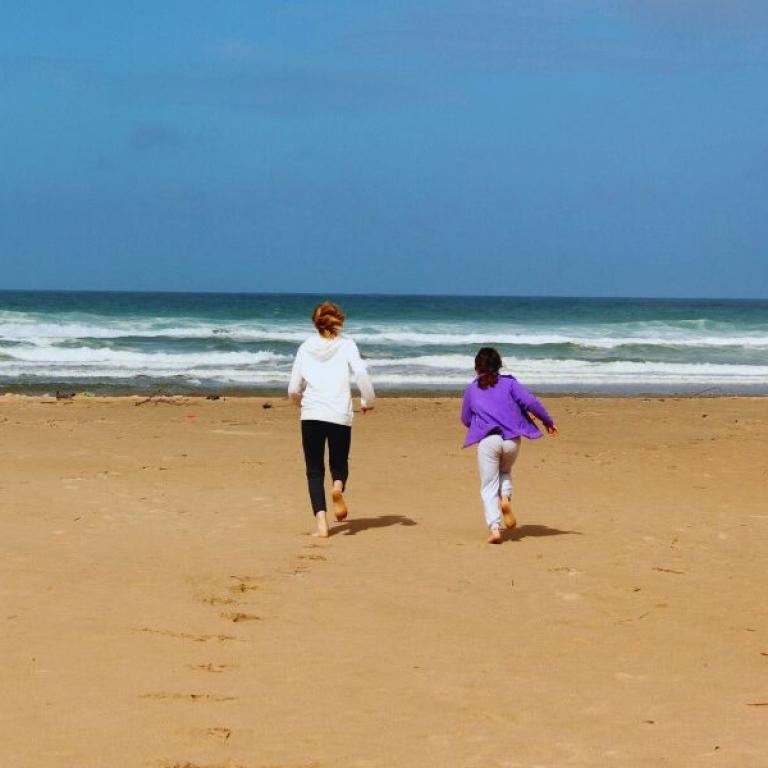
495, 457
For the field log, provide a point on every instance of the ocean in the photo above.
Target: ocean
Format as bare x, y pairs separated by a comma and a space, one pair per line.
179, 343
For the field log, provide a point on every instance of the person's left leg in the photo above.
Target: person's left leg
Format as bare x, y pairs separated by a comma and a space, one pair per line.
488, 458
510, 450
313, 437
339, 441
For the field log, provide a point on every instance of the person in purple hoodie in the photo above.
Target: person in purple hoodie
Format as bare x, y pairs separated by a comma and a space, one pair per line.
497, 413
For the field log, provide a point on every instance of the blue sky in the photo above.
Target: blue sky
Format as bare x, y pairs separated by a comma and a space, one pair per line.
566, 147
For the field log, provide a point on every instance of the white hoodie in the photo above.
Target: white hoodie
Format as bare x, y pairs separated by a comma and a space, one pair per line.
320, 377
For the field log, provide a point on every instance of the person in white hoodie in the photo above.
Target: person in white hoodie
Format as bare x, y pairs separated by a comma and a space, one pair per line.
320, 382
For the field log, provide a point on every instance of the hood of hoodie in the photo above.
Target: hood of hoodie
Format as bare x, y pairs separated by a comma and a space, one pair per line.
322, 349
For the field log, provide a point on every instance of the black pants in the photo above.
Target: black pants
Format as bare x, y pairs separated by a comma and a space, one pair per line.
314, 435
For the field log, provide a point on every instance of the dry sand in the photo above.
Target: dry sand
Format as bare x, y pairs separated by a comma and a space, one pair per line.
163, 604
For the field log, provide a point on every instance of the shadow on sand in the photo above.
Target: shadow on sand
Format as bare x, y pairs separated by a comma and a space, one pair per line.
534, 531
351, 527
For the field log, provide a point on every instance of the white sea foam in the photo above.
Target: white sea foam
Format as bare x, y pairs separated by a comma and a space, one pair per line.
606, 340
16, 326
543, 372
443, 362
581, 371
403, 372
55, 358
403, 355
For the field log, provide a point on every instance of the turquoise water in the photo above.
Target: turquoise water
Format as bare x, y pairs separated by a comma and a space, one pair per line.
179, 343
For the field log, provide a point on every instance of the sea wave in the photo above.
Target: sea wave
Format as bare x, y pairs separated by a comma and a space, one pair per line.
404, 372
58, 358
562, 349
46, 336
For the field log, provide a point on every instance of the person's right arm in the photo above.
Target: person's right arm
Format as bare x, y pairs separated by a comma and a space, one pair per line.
466, 409
296, 384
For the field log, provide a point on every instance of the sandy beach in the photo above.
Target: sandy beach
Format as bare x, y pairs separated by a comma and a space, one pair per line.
164, 605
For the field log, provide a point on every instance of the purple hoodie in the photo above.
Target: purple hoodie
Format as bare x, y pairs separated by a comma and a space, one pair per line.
501, 408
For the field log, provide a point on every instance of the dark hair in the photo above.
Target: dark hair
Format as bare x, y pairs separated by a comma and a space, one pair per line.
487, 367
328, 319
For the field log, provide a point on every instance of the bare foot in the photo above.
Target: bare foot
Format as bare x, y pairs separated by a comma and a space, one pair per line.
506, 510
495, 537
339, 505
322, 526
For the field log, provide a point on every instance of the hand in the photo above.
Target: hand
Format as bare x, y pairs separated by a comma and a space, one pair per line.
553, 430
366, 408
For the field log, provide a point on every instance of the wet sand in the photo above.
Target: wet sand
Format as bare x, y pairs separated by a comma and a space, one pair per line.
164, 605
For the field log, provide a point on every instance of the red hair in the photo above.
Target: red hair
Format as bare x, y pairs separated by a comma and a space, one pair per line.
328, 319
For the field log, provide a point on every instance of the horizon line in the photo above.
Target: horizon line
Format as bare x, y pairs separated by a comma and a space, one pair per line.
364, 294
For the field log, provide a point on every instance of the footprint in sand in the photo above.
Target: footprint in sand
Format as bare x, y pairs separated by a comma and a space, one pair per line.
236, 432
218, 733
244, 584
215, 600
566, 569
187, 635
188, 764
237, 616
211, 667
187, 696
